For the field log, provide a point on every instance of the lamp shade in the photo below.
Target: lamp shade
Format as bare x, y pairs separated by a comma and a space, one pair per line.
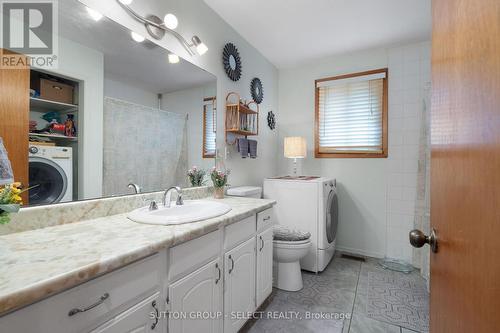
295, 147
6, 175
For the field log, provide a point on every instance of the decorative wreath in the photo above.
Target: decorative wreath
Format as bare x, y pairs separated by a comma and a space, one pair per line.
271, 121
231, 51
256, 90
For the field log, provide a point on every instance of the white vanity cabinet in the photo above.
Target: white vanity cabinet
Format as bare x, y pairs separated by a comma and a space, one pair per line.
264, 285
195, 301
239, 289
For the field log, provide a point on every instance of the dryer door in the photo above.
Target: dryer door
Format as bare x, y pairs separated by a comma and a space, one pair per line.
48, 181
332, 216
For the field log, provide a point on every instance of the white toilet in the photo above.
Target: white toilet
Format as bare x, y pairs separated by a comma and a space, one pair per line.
289, 247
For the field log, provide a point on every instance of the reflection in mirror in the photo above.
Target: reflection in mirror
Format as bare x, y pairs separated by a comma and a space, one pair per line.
116, 117
232, 62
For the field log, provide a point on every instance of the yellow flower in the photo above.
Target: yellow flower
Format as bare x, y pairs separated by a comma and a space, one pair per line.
17, 199
17, 184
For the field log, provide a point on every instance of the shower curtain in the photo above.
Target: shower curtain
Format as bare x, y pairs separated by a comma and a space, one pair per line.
142, 145
422, 204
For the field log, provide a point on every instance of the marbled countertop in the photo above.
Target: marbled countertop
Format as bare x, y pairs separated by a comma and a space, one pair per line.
39, 263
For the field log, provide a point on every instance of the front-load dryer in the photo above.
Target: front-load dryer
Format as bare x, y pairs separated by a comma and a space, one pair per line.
308, 204
50, 174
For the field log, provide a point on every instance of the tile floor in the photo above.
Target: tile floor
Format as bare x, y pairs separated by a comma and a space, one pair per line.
340, 289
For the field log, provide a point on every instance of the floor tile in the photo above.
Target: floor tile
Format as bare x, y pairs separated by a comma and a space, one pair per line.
362, 324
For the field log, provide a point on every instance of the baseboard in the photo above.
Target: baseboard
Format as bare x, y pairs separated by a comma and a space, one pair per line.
360, 252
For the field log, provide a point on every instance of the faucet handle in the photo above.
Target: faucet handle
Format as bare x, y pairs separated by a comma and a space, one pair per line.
153, 205
179, 201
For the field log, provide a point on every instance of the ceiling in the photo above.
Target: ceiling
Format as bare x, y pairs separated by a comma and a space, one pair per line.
290, 32
143, 65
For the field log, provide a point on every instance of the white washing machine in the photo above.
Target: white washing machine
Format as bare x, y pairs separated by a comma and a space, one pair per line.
50, 174
309, 204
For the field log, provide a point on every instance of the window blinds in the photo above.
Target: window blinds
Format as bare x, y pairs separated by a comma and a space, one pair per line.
351, 114
209, 120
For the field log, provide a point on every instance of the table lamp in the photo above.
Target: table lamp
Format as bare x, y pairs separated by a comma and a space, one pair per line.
295, 147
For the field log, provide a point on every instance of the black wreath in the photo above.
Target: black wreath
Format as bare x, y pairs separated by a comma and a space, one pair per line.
231, 50
271, 121
256, 90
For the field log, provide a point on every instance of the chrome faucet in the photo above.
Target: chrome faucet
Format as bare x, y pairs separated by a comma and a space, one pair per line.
168, 193
136, 187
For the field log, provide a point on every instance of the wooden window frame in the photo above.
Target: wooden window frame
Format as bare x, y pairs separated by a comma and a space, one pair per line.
353, 153
214, 107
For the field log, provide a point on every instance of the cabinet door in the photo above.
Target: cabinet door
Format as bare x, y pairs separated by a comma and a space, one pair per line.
140, 318
196, 301
239, 287
264, 265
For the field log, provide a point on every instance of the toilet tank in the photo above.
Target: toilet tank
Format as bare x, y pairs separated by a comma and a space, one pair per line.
246, 191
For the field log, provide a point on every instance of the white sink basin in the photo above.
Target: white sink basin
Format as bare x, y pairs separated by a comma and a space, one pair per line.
191, 211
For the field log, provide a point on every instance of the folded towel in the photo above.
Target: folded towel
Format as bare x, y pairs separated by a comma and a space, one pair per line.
252, 146
243, 147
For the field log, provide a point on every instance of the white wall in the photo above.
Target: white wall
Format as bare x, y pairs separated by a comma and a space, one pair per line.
363, 183
116, 87
195, 17
190, 102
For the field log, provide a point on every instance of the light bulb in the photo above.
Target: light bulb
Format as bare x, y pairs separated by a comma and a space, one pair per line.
94, 14
170, 21
138, 38
201, 48
173, 58
126, 2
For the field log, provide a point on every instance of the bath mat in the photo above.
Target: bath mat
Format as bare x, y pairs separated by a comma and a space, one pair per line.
398, 300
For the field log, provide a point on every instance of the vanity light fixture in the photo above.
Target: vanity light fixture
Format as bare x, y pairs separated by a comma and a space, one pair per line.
157, 28
94, 14
136, 37
173, 58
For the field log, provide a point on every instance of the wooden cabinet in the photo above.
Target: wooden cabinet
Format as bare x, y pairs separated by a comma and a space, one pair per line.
239, 289
264, 284
140, 318
196, 301
14, 118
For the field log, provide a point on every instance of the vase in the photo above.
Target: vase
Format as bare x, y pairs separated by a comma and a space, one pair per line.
219, 192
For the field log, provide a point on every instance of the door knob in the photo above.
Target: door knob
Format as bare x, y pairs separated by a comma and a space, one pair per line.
419, 239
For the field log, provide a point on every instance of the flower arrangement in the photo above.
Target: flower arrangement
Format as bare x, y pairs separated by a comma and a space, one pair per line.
196, 176
10, 201
219, 179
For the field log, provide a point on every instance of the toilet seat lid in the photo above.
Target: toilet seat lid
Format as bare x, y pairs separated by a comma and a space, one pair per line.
282, 233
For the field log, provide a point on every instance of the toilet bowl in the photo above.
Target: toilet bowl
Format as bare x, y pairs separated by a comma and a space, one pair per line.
286, 265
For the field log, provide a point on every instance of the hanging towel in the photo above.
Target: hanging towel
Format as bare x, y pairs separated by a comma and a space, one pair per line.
243, 147
252, 146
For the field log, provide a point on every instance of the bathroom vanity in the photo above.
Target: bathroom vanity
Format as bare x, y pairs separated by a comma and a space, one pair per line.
115, 275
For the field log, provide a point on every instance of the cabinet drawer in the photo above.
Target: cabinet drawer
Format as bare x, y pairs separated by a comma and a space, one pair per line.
265, 219
239, 232
189, 256
123, 288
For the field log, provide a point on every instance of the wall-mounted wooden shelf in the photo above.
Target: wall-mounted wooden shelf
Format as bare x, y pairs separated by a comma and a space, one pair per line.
241, 120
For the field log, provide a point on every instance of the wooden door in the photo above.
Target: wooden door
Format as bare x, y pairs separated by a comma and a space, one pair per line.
199, 297
140, 318
239, 285
264, 265
465, 166
14, 118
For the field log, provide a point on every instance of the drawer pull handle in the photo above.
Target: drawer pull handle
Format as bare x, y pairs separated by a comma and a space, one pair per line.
262, 244
218, 271
267, 218
101, 300
157, 317
232, 264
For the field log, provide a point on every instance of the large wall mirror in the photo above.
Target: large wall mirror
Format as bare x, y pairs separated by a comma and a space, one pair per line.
119, 115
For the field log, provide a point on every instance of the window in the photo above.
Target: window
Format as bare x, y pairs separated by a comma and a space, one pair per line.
209, 127
351, 115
